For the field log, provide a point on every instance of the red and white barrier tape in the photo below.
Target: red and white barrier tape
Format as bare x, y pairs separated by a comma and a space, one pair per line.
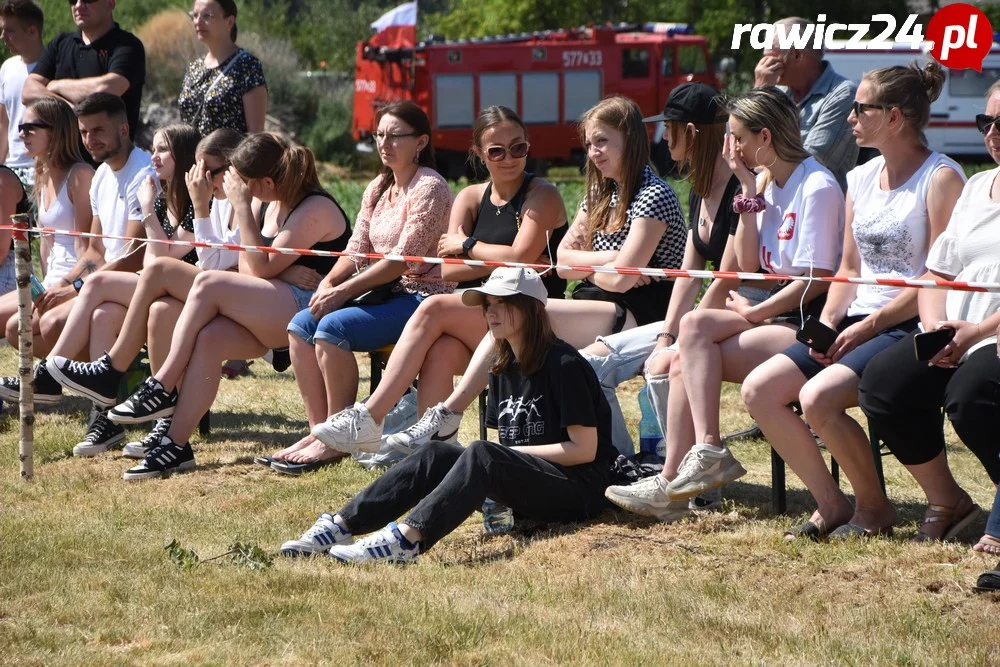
622, 270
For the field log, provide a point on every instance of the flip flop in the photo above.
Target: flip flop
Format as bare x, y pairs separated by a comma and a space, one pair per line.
265, 461
806, 529
990, 545
851, 530
290, 468
957, 525
988, 582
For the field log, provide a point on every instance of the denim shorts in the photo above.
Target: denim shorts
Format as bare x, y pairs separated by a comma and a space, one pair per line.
301, 296
358, 328
857, 358
8, 278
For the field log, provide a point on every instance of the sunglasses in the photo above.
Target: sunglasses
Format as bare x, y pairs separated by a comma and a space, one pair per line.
29, 128
516, 151
86, 2
861, 107
218, 170
984, 123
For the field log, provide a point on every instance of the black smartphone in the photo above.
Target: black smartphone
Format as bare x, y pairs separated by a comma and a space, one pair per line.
816, 335
929, 343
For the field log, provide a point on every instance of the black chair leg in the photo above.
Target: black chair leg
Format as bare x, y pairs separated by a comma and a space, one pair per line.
375, 361
205, 425
778, 494
482, 415
876, 443
835, 470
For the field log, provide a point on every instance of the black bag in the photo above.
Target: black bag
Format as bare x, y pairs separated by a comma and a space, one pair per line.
376, 295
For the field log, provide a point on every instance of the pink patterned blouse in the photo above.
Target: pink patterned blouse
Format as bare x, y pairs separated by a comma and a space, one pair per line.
409, 225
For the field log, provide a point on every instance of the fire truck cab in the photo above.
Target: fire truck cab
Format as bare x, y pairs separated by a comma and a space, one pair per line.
550, 78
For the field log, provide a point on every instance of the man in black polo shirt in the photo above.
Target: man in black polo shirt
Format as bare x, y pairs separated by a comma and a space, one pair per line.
100, 58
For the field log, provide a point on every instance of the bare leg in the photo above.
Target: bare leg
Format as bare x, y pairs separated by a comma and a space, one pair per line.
163, 314
218, 340
262, 307
106, 286
105, 323
312, 388
825, 400
767, 392
36, 331
580, 322
475, 378
447, 358
163, 277
51, 327
436, 316
340, 375
8, 309
940, 487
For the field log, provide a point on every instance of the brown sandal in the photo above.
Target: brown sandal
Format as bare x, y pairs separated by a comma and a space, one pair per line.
987, 544
955, 523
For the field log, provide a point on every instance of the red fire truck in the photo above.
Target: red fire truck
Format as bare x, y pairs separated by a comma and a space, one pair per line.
550, 78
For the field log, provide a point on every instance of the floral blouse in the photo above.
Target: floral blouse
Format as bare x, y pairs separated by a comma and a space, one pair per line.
209, 105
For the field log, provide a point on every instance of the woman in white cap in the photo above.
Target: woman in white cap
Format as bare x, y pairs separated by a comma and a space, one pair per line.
553, 461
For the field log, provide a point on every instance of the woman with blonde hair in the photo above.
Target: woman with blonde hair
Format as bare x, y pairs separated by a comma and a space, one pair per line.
791, 222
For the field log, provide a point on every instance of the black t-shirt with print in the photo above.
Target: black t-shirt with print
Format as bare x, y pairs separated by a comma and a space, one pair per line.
536, 410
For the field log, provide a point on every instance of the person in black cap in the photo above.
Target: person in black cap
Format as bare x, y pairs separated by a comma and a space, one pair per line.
695, 129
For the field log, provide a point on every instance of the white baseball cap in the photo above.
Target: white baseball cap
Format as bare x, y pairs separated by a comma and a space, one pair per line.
507, 281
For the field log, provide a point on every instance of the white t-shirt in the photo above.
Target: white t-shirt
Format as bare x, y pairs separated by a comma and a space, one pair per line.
216, 229
114, 198
890, 227
803, 224
13, 73
969, 250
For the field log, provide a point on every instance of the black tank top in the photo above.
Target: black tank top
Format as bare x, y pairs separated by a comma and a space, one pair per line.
319, 264
499, 226
24, 204
723, 226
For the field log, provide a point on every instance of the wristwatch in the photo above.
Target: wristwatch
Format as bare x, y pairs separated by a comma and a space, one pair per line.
77, 284
468, 244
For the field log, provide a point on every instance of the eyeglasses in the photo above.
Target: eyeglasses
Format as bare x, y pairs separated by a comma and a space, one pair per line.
984, 123
218, 170
516, 151
861, 107
29, 128
390, 138
208, 16
86, 2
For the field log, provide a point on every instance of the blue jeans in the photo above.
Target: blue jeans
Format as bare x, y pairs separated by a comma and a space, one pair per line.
993, 524
629, 351
358, 328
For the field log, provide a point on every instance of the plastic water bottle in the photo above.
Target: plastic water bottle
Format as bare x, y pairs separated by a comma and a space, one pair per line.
650, 437
497, 518
37, 289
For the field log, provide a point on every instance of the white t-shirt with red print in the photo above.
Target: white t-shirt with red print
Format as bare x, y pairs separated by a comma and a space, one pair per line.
803, 224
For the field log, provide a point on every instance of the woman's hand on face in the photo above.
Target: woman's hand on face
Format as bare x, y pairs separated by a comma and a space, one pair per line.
451, 244
236, 188
732, 156
199, 186
147, 194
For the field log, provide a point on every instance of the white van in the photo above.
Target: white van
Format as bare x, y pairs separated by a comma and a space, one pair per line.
952, 127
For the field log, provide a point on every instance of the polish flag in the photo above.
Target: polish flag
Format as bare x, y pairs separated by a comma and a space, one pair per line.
397, 28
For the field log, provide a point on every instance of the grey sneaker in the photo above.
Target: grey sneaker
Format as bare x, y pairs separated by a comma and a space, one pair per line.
438, 423
351, 430
648, 497
704, 468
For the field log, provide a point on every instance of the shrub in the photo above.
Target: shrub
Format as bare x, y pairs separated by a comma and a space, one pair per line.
329, 134
170, 45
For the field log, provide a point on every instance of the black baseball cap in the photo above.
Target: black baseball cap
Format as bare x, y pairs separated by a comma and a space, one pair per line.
692, 103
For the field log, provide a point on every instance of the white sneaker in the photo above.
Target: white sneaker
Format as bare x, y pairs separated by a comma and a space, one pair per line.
351, 430
438, 423
648, 497
324, 534
387, 545
704, 468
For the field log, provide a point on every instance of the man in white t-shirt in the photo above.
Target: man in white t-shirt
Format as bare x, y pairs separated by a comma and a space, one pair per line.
21, 23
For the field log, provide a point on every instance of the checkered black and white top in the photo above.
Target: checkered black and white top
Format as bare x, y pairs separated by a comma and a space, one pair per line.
657, 200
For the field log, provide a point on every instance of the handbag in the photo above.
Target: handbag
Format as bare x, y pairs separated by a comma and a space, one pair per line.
376, 295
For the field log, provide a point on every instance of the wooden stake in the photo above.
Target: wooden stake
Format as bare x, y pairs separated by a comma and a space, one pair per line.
22, 268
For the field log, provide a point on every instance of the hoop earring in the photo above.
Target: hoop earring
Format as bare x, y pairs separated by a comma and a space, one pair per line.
757, 160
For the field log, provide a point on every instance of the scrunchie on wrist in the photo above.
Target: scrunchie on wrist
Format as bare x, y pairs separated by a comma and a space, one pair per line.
744, 204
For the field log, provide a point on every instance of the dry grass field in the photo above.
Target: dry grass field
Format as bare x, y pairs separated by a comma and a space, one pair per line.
85, 578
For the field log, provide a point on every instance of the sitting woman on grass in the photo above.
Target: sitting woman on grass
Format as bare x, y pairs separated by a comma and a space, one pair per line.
906, 399
277, 200
191, 172
552, 463
791, 222
512, 217
897, 205
649, 231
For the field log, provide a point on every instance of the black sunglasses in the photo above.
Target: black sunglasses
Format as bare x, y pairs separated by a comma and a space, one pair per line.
984, 123
516, 151
86, 2
861, 107
218, 170
29, 128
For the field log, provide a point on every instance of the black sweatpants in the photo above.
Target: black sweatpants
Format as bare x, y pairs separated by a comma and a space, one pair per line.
444, 484
903, 400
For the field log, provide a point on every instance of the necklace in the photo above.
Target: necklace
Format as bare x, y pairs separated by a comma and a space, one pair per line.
702, 222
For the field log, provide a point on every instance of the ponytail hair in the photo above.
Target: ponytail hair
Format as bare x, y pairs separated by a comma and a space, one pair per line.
229, 9
269, 155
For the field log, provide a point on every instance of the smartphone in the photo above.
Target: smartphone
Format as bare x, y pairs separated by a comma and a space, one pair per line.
728, 131
929, 343
816, 335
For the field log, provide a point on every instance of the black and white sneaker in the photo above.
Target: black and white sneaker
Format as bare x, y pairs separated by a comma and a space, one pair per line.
139, 449
150, 401
96, 380
47, 390
102, 436
166, 458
